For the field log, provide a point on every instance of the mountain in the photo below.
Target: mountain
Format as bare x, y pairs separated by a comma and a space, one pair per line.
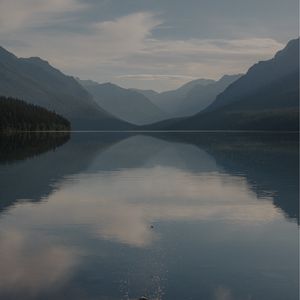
150, 94
201, 96
36, 81
126, 104
265, 98
170, 101
262, 74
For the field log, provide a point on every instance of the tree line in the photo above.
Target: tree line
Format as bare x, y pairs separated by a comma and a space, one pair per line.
18, 115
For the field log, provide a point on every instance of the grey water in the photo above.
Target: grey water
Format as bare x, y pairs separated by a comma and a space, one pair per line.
179, 216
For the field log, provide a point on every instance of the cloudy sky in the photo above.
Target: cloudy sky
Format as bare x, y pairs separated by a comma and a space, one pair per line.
155, 44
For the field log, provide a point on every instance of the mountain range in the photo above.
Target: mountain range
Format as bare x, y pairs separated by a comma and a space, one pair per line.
265, 98
190, 98
200, 96
169, 101
36, 81
126, 104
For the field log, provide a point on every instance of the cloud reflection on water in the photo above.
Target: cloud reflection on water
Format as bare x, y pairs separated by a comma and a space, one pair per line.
122, 205
31, 264
108, 205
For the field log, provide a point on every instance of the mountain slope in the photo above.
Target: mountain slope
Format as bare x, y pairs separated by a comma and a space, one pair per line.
170, 101
284, 63
201, 96
266, 98
150, 94
36, 81
125, 104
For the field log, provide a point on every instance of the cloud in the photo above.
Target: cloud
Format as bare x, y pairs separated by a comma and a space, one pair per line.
196, 58
96, 201
119, 49
132, 28
100, 43
24, 14
244, 47
156, 77
204, 58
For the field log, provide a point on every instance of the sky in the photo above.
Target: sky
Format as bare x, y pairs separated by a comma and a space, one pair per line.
148, 44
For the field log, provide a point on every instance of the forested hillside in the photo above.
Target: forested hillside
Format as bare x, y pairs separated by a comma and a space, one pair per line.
17, 115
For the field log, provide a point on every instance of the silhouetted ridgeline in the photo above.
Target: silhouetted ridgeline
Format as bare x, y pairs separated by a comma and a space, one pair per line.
14, 147
37, 82
17, 115
265, 98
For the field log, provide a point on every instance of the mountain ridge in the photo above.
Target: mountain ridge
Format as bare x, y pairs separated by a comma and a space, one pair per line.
265, 98
126, 104
200, 97
35, 81
262, 73
168, 101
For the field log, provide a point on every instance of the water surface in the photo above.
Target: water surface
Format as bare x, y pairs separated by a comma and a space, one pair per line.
166, 216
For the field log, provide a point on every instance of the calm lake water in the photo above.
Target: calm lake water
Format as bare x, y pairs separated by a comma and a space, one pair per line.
210, 216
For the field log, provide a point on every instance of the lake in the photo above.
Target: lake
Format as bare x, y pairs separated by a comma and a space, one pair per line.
172, 216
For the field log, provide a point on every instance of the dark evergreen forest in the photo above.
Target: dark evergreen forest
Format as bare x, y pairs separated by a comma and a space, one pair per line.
17, 115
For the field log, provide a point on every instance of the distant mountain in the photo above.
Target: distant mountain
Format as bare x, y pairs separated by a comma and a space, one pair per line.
201, 96
126, 104
266, 98
36, 81
170, 101
150, 94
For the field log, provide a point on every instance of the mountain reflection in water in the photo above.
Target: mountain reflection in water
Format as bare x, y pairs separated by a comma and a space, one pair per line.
170, 216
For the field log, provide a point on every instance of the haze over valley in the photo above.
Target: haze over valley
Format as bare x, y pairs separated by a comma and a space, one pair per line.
266, 97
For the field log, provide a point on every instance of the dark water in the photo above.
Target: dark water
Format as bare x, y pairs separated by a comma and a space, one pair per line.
166, 216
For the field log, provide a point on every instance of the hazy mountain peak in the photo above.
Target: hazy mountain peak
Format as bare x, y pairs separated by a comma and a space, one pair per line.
86, 81
200, 96
38, 60
292, 47
109, 84
126, 104
229, 77
265, 98
169, 101
4, 54
201, 81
